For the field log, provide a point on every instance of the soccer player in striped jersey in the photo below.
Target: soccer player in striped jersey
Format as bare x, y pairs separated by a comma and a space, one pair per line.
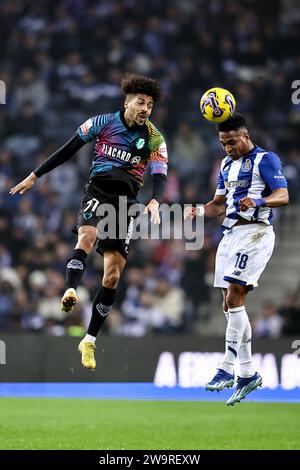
250, 184
126, 141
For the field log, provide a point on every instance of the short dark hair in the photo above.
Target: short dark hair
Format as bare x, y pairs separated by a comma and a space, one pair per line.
234, 123
133, 83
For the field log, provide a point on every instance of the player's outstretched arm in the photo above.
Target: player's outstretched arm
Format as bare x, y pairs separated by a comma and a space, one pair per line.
24, 185
59, 157
213, 208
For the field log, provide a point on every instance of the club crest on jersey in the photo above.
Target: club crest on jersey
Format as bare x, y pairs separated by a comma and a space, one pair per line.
140, 143
247, 165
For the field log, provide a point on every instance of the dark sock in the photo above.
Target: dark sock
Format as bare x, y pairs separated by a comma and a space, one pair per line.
102, 305
75, 268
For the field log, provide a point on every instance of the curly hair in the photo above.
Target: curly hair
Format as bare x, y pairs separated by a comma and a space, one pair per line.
133, 83
234, 123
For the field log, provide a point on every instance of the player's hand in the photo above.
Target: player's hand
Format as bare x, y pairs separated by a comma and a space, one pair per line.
26, 184
246, 203
189, 213
152, 207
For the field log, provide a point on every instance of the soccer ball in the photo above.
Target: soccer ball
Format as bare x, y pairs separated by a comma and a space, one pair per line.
217, 104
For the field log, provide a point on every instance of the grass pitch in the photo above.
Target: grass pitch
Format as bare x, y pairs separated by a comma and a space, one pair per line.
42, 423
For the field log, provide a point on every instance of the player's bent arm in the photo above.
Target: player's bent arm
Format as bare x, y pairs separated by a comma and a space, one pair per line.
159, 184
279, 197
215, 207
153, 208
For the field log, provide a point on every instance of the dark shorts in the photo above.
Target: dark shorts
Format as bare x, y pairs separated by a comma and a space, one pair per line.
93, 212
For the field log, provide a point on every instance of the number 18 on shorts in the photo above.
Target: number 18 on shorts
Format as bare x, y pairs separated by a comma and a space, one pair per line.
242, 255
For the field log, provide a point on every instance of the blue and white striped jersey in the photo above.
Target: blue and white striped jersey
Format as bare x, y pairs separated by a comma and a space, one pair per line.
254, 175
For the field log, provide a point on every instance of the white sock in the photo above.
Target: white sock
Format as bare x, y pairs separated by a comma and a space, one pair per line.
245, 354
89, 339
226, 315
234, 334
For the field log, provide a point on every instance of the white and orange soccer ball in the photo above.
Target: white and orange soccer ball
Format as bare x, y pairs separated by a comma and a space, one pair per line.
217, 104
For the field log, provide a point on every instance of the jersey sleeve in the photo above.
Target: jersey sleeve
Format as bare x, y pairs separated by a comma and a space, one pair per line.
158, 152
221, 190
91, 128
270, 168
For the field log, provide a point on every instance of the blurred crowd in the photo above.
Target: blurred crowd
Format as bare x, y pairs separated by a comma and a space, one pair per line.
62, 62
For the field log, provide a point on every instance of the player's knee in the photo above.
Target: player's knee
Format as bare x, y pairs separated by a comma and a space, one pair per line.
234, 296
86, 241
232, 301
111, 277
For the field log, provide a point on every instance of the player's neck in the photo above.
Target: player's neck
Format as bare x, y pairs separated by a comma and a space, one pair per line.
129, 121
247, 150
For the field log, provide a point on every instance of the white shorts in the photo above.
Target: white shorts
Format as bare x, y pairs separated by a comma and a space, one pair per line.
242, 255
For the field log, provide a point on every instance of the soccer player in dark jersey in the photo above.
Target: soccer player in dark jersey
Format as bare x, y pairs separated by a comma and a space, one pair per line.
126, 141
